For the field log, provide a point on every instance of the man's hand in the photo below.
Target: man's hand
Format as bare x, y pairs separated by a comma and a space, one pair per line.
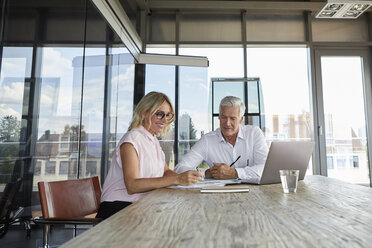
222, 171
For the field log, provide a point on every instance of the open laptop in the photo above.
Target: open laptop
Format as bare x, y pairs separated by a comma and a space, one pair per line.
284, 156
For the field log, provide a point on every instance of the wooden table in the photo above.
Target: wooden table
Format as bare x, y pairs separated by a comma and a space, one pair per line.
323, 213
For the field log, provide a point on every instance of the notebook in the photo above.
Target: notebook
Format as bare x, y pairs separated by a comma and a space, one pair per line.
284, 156
226, 189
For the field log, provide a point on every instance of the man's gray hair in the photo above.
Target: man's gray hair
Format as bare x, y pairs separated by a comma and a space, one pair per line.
232, 101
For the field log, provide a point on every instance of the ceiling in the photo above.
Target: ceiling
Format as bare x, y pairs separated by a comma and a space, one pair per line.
229, 5
235, 5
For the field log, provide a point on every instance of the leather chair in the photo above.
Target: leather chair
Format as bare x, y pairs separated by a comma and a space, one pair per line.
68, 202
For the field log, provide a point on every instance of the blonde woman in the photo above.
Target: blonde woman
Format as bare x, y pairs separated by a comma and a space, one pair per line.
138, 164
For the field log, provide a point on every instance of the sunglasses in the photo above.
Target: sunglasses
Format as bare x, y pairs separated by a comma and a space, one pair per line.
160, 115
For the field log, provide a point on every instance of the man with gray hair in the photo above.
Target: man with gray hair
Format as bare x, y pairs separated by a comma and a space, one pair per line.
231, 151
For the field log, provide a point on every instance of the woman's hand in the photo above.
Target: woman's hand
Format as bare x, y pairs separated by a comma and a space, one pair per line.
189, 177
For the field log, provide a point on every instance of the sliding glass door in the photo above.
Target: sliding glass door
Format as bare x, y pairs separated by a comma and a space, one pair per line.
344, 93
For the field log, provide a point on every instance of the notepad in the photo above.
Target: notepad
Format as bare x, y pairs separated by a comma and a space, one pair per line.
207, 183
226, 189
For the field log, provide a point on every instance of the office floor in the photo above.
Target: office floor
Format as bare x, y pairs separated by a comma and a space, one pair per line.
16, 236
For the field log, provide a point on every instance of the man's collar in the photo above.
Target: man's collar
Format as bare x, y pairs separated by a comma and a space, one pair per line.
222, 139
240, 134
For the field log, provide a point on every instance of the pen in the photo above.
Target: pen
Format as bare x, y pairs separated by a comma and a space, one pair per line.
234, 161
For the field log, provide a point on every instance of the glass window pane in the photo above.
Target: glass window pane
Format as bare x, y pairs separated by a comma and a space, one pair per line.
122, 87
225, 88
254, 120
42, 88
224, 62
92, 112
218, 56
58, 124
37, 168
50, 168
63, 167
253, 95
162, 78
216, 122
283, 73
91, 168
193, 107
14, 95
345, 126
285, 89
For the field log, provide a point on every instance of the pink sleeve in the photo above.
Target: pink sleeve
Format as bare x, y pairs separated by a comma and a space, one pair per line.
127, 138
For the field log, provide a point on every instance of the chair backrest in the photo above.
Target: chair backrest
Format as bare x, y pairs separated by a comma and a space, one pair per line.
70, 198
7, 200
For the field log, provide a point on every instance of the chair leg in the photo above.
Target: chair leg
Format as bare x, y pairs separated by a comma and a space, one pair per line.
46, 235
3, 229
27, 225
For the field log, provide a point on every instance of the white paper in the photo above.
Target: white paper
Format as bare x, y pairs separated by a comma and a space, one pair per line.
206, 183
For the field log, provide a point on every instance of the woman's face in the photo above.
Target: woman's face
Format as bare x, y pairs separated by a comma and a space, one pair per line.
160, 119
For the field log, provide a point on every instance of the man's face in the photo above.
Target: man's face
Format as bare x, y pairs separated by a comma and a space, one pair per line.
230, 120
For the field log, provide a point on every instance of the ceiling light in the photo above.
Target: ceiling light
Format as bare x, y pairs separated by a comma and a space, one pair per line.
334, 6
347, 9
359, 7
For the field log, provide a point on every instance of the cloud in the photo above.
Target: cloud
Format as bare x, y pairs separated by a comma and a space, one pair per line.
125, 106
125, 80
12, 93
6, 110
54, 65
49, 96
46, 101
13, 67
203, 86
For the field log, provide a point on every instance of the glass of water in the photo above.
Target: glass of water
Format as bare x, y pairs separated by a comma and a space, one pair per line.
289, 179
202, 168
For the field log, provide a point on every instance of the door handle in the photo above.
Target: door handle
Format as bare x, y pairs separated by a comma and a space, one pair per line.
320, 130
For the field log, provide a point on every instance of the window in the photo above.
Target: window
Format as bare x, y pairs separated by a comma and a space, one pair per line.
37, 171
63, 167
195, 105
341, 162
50, 168
330, 164
342, 81
16, 64
64, 145
283, 73
355, 161
162, 78
91, 169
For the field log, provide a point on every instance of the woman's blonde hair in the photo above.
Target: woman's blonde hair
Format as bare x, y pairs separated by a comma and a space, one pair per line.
148, 105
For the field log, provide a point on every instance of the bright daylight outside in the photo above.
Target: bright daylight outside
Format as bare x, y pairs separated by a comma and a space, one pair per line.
283, 75
57, 126
345, 127
283, 80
